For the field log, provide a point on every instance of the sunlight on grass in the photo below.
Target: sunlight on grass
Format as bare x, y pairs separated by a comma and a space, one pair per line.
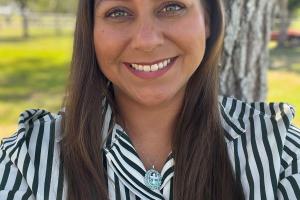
33, 75
284, 77
295, 24
284, 86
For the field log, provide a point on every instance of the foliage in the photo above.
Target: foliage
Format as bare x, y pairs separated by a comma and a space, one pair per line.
293, 5
4, 1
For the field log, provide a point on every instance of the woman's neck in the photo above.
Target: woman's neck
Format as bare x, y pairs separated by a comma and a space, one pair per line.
150, 128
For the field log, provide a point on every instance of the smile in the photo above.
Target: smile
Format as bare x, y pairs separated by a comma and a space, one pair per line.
151, 70
152, 67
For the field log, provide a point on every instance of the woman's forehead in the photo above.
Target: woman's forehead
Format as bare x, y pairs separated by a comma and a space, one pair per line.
98, 2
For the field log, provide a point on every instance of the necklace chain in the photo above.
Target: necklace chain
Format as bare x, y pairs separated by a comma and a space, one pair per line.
152, 163
152, 178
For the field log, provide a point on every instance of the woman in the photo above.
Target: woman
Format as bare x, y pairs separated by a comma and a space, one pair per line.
143, 120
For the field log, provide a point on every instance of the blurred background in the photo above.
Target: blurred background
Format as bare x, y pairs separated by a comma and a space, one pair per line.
36, 45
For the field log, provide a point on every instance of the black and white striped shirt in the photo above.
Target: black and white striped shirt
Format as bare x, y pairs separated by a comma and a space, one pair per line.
263, 146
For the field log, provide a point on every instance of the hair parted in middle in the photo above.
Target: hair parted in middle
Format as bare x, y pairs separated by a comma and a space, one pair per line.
202, 167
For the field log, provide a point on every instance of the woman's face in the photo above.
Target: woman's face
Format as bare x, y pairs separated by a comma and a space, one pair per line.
149, 49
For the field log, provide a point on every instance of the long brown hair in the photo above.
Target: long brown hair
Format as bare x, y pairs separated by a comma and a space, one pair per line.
202, 166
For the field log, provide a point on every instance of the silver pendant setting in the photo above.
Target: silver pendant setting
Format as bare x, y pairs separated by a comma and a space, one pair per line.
152, 179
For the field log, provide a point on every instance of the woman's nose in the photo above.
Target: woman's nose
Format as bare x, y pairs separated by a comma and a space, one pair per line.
147, 36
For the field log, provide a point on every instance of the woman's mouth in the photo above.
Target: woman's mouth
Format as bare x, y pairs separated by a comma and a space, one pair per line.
151, 70
152, 67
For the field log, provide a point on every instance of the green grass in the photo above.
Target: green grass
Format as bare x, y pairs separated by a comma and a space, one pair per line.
33, 73
284, 77
284, 86
297, 13
295, 24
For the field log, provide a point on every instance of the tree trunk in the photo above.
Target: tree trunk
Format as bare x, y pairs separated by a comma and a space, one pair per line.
246, 57
57, 24
24, 14
284, 23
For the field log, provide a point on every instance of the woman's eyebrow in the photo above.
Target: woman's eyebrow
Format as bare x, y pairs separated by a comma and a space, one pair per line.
98, 2
114, 0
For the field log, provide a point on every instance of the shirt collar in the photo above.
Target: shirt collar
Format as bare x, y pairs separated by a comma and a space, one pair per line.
233, 112
232, 124
236, 114
125, 162
233, 127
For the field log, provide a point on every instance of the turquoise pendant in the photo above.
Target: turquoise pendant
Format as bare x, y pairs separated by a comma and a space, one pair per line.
153, 179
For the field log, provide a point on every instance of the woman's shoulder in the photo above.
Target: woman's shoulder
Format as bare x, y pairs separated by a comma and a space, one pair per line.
34, 127
256, 118
264, 146
31, 154
239, 109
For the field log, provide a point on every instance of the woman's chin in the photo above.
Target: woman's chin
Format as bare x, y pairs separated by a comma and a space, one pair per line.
155, 100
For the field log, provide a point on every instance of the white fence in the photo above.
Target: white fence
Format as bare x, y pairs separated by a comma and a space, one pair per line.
38, 20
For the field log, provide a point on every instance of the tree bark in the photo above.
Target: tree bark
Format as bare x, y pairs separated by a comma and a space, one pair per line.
284, 23
245, 58
24, 14
57, 19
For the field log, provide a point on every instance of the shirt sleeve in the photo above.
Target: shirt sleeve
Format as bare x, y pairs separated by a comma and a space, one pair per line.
13, 186
289, 177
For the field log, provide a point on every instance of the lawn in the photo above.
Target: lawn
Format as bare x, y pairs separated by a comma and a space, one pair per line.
33, 74
284, 74
284, 78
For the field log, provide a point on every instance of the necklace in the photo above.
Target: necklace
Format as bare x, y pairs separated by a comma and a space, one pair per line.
152, 179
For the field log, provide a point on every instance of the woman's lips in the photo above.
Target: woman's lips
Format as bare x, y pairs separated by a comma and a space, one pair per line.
145, 73
151, 63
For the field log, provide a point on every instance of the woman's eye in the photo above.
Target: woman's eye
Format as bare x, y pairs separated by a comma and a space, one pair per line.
169, 9
116, 13
172, 8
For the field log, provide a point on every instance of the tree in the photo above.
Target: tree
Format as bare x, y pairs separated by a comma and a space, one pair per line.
24, 13
246, 58
284, 22
287, 9
56, 6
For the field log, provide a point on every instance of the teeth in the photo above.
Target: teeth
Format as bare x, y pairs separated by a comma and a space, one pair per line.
165, 62
152, 68
140, 67
146, 68
161, 65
